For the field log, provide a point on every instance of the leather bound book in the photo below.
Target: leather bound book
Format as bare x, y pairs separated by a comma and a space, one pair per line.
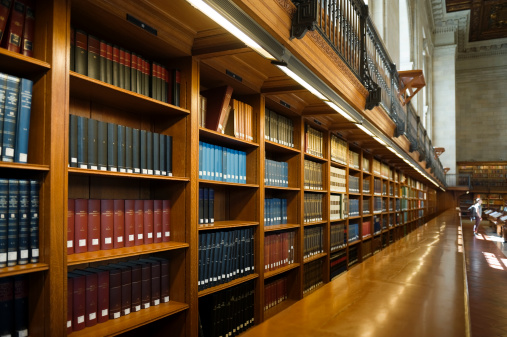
162, 154
70, 226
102, 146
93, 57
81, 53
169, 156
5, 9
154, 80
23, 221
218, 100
102, 293
34, 220
112, 147
10, 111
23, 122
156, 154
136, 285
133, 73
121, 149
143, 155
106, 224
175, 90
130, 226
14, 31
93, 129
72, 140
136, 145
82, 142
21, 305
70, 296
116, 66
166, 220
4, 211
128, 65
145, 283
78, 301
93, 225
126, 288
81, 226
109, 64
139, 76
28, 30
118, 223
165, 84
155, 281
91, 296
139, 222
148, 221
12, 223
128, 150
164, 278
146, 77
121, 70
157, 221
6, 305
114, 290
103, 61
149, 152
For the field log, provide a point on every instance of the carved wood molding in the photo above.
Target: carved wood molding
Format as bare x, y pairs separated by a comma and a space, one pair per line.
288, 7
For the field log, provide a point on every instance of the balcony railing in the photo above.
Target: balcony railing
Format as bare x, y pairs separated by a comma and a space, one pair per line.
458, 180
348, 29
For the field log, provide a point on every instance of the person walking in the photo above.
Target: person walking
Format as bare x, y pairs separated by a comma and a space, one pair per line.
477, 214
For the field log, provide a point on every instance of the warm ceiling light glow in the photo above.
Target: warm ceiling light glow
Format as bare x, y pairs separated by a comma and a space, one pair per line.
222, 21
368, 132
382, 142
340, 110
298, 79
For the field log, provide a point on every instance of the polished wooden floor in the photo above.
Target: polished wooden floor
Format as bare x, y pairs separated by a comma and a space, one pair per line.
415, 287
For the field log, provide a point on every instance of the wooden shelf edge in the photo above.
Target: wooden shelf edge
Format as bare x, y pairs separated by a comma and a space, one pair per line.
23, 58
75, 170
278, 308
227, 285
315, 257
280, 147
21, 166
104, 255
136, 319
269, 187
223, 183
228, 224
280, 227
281, 270
23, 269
216, 134
315, 158
307, 224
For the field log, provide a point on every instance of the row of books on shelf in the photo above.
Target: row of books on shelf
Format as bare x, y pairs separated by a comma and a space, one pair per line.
338, 180
314, 141
16, 105
206, 207
275, 292
313, 175
103, 224
353, 231
275, 211
96, 295
228, 312
221, 163
338, 236
338, 206
112, 64
313, 277
313, 241
381, 169
354, 159
14, 305
353, 184
338, 263
339, 150
279, 250
354, 207
224, 256
366, 229
366, 186
17, 26
278, 129
377, 186
353, 255
19, 222
276, 173
99, 145
313, 207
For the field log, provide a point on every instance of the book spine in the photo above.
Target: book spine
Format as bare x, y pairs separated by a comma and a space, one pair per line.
149, 152
129, 150
4, 213
81, 53
93, 57
72, 140
12, 223
112, 147
115, 292
103, 61
154, 80
136, 145
92, 156
102, 295
118, 224
23, 124
121, 69
102, 146
143, 151
82, 142
71, 206
139, 222
130, 227
176, 80
10, 117
6, 305
23, 221
126, 291
128, 65
28, 30
5, 9
162, 154
122, 152
15, 30
70, 296
81, 226
146, 285
157, 221
201, 206
109, 63
156, 153
169, 156
133, 73
106, 224
211, 205
148, 221
166, 220
116, 66
93, 225
79, 303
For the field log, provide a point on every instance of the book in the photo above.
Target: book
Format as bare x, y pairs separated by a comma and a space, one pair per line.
107, 224
82, 142
112, 147
70, 225
12, 223
81, 52
28, 29
102, 146
73, 141
14, 30
81, 226
10, 117
4, 214
109, 63
218, 100
122, 152
139, 222
21, 290
157, 221
78, 301
148, 221
92, 139
102, 293
91, 296
116, 66
93, 225
166, 220
93, 55
3, 88
23, 221
129, 227
5, 9
118, 222
70, 296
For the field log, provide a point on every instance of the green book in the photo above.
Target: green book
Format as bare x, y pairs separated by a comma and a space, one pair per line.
121, 149
102, 146
156, 154
128, 150
112, 147
149, 152
92, 144
143, 152
73, 141
136, 145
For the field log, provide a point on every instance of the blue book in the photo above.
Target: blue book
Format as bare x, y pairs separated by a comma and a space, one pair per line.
205, 198
23, 123
211, 161
220, 163
243, 158
136, 146
207, 260
217, 278
236, 166
207, 155
215, 162
225, 167
211, 206
201, 262
156, 154
163, 154
92, 138
23, 221
34, 220
10, 116
200, 160
4, 209
3, 88
12, 223
201, 206
122, 152
142, 150
284, 211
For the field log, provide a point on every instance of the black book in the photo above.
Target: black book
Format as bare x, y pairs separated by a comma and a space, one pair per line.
112, 147
169, 158
156, 153
201, 206
212, 259
129, 150
128, 65
220, 257
122, 152
143, 151
207, 258
24, 222
223, 259
12, 223
73, 140
6, 306
121, 69
93, 57
93, 129
102, 146
211, 206
4, 209
162, 154
201, 262
82, 142
206, 206
136, 146
81, 52
149, 152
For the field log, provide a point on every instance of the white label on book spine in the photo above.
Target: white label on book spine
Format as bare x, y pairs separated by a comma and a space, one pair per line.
9, 151
113, 169
24, 253
166, 299
139, 236
159, 235
164, 173
69, 324
120, 239
105, 312
12, 256
129, 171
95, 242
80, 319
167, 234
145, 171
83, 166
35, 252
93, 315
156, 302
73, 160
150, 235
122, 170
23, 157
3, 257
93, 167
23, 333
70, 244
103, 168
116, 315
146, 305
131, 237
170, 174
137, 308
108, 240
150, 171
137, 170
157, 172
126, 311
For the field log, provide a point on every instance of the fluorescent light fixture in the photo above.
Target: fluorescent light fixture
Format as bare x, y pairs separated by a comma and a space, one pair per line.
298, 79
339, 110
382, 142
368, 132
222, 21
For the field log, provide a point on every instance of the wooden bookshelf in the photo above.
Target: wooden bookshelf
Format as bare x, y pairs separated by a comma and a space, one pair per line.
281, 270
230, 284
23, 269
227, 225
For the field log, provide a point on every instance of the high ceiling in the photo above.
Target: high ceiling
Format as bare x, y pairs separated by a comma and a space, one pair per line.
488, 18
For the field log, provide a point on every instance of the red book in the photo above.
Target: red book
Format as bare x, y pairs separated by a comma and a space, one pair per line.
14, 30
139, 222
130, 226
114, 291
218, 100
78, 302
126, 288
28, 30
81, 226
70, 226
93, 225
70, 296
102, 293
166, 220
118, 223
5, 9
148, 221
157, 221
106, 224
91, 296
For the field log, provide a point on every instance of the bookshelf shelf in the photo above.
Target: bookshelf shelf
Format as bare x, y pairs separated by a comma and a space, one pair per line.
104, 255
315, 158
279, 148
278, 308
21, 65
315, 191
314, 223
280, 227
87, 88
338, 164
207, 135
279, 271
74, 170
20, 166
354, 243
315, 257
228, 224
227, 285
23, 269
125, 323
223, 183
289, 189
